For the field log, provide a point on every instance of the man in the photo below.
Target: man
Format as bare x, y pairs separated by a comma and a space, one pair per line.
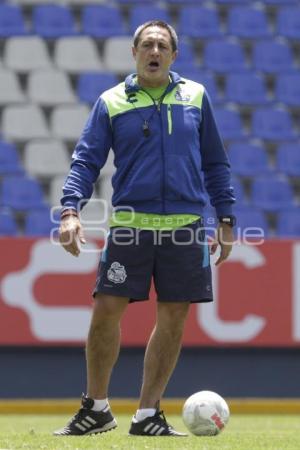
162, 131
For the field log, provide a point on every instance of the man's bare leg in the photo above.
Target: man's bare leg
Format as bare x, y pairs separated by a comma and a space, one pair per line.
162, 351
103, 343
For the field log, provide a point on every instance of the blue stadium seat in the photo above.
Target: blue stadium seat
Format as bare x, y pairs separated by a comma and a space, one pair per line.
224, 56
239, 191
229, 123
272, 124
143, 13
199, 22
247, 22
21, 193
247, 159
101, 21
281, 2
12, 22
185, 60
8, 225
287, 88
272, 56
91, 84
53, 21
246, 88
288, 22
288, 159
207, 79
288, 223
9, 160
271, 193
39, 223
248, 218
232, 2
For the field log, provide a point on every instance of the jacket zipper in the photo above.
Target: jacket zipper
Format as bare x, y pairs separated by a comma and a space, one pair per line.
169, 119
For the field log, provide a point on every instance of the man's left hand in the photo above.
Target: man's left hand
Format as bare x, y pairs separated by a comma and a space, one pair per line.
224, 238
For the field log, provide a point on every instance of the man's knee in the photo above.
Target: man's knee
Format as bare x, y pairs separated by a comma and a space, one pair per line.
172, 315
109, 307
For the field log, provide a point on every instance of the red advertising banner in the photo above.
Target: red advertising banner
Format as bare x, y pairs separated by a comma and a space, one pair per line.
45, 297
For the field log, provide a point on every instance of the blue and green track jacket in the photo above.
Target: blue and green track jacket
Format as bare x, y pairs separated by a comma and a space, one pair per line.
159, 173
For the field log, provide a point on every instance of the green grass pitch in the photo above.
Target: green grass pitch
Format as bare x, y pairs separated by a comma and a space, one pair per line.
244, 432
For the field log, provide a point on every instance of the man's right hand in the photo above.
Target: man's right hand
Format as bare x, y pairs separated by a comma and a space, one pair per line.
71, 234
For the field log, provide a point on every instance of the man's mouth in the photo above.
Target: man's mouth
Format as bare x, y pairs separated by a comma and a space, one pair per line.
153, 64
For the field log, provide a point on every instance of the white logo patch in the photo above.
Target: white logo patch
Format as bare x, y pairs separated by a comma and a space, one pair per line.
116, 273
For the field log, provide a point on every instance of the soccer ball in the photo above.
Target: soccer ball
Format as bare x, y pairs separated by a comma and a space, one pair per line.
205, 413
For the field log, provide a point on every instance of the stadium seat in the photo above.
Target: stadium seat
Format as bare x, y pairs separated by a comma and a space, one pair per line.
26, 54
224, 56
23, 122
246, 88
117, 55
239, 191
229, 123
59, 89
8, 225
249, 218
55, 190
247, 159
287, 89
38, 223
272, 56
21, 193
207, 79
10, 88
232, 2
53, 21
101, 21
77, 54
142, 13
9, 159
105, 189
271, 193
91, 84
67, 122
46, 158
109, 168
12, 22
288, 159
288, 22
272, 124
186, 60
248, 22
199, 22
288, 223
281, 2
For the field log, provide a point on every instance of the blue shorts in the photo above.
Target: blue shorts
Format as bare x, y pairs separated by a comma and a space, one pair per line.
177, 260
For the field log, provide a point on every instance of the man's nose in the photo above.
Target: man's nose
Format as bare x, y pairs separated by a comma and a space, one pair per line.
155, 50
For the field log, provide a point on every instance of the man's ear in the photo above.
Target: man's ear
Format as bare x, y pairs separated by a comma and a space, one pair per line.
133, 50
174, 56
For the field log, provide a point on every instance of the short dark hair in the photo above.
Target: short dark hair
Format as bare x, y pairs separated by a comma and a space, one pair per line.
156, 23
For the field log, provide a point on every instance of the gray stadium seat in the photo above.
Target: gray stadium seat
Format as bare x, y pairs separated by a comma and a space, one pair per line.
55, 190
77, 54
117, 55
23, 122
26, 53
46, 158
50, 88
67, 122
10, 88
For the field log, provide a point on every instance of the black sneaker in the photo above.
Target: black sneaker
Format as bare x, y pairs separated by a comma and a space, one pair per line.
153, 426
87, 421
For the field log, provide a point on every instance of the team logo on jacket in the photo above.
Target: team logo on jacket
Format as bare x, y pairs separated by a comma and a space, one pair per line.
181, 96
116, 273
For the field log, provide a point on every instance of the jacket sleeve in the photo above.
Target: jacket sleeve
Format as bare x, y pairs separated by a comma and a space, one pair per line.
89, 156
215, 162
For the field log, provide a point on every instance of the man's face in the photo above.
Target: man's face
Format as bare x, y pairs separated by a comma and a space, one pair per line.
154, 56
